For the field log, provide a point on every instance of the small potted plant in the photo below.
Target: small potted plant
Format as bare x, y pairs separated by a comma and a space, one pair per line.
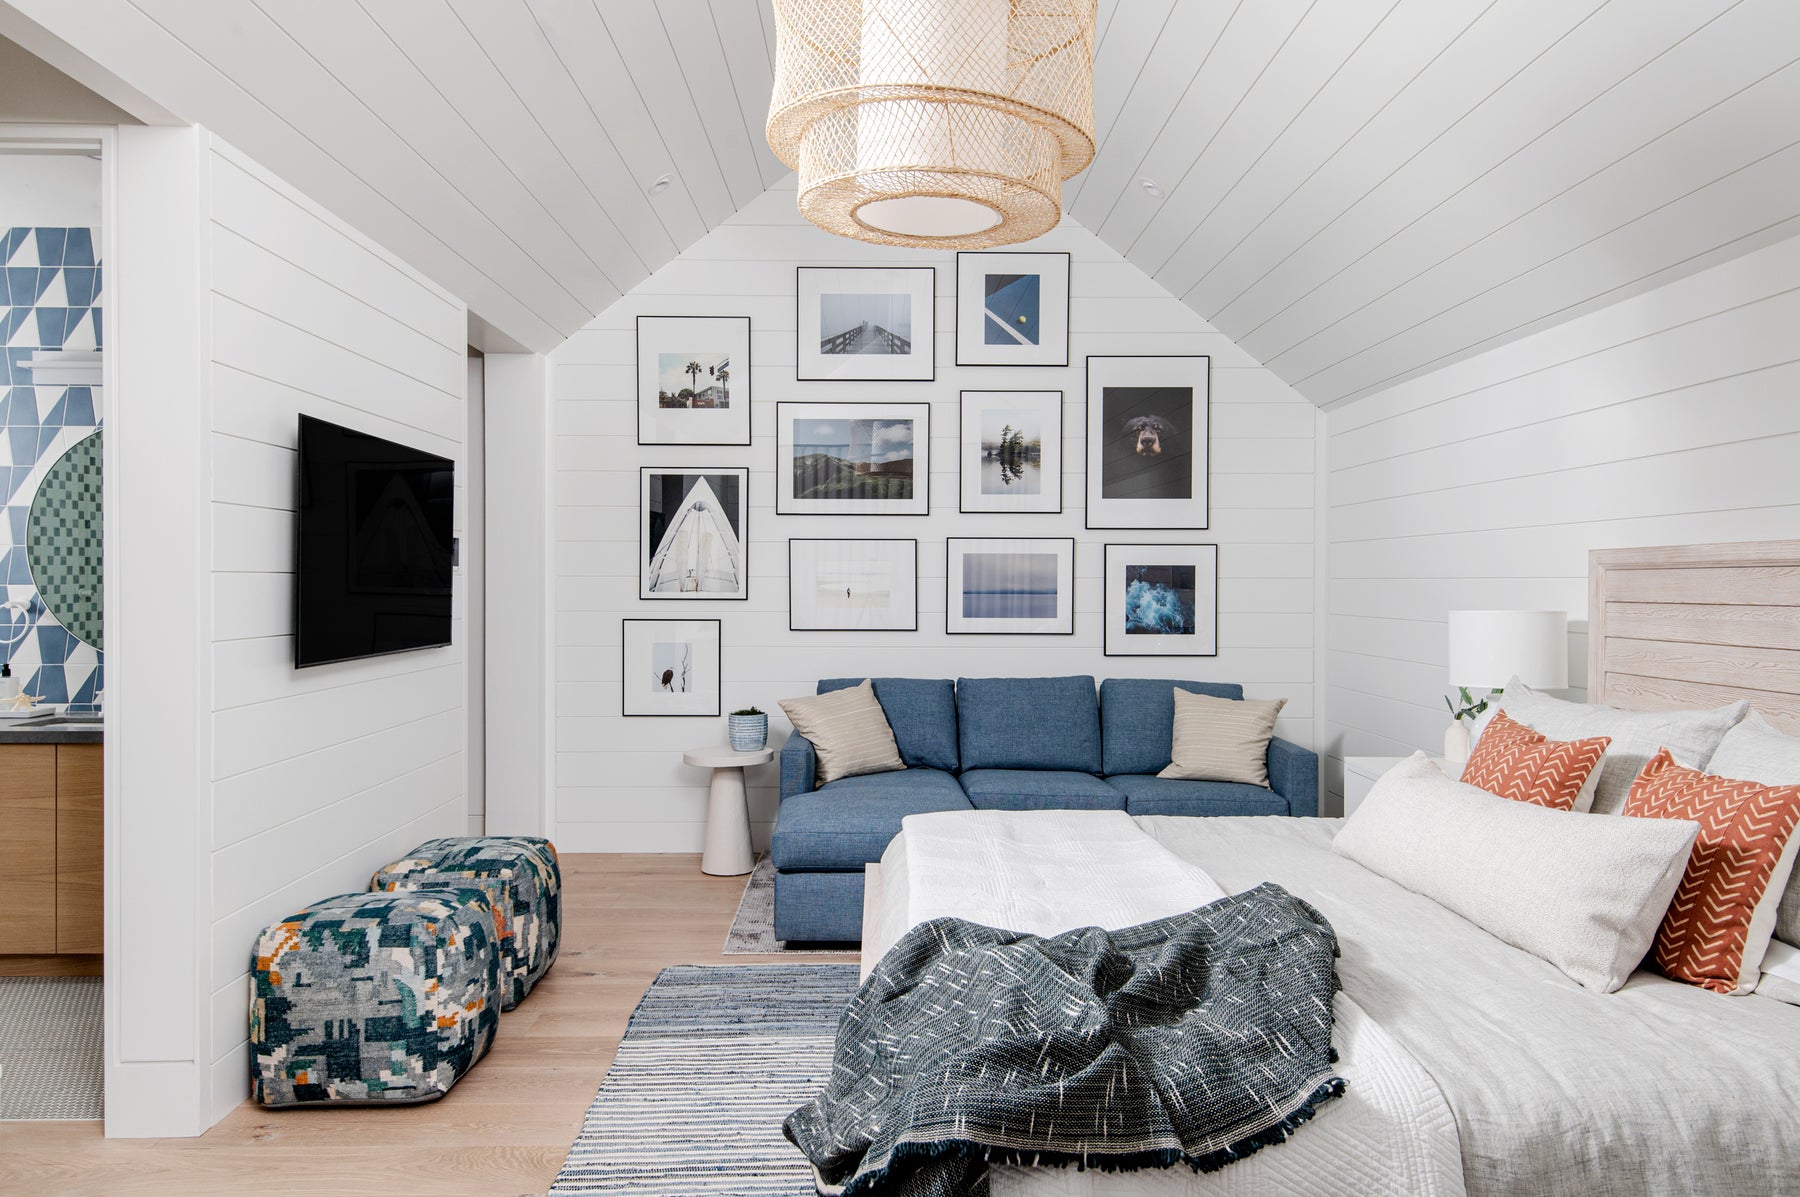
749, 730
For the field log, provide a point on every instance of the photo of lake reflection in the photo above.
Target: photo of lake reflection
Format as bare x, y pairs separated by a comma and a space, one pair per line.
1012, 452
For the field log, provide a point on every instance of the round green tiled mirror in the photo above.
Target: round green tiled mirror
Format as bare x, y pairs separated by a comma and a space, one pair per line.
62, 540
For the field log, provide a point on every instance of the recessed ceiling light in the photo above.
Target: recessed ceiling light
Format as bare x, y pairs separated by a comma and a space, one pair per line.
1152, 186
662, 184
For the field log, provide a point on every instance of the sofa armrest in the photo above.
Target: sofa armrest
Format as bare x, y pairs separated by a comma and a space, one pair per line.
798, 765
1293, 773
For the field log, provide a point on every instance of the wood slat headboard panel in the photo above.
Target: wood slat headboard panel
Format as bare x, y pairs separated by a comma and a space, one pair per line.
1697, 626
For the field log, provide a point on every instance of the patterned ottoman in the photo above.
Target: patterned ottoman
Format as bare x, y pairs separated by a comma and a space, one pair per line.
374, 999
524, 882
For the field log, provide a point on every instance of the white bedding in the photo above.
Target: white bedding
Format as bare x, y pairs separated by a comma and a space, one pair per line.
1046, 872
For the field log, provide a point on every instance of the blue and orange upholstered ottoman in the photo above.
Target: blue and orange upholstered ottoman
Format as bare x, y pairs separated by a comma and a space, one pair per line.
523, 881
374, 998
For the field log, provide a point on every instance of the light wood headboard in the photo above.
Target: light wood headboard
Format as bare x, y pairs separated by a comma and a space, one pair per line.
1697, 626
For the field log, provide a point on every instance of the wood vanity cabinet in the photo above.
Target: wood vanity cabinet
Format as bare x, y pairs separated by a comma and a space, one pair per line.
51, 849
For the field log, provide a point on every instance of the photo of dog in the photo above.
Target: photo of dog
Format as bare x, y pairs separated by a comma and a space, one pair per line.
1148, 450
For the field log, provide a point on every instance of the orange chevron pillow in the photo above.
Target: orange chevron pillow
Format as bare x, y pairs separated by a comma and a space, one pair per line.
1515, 762
1719, 923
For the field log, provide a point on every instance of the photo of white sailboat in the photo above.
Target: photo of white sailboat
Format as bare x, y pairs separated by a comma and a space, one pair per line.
692, 534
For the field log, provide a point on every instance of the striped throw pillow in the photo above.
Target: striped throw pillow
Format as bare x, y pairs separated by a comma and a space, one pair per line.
1718, 926
1515, 762
1222, 739
849, 732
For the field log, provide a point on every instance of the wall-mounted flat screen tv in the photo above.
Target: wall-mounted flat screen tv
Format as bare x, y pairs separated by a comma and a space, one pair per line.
372, 573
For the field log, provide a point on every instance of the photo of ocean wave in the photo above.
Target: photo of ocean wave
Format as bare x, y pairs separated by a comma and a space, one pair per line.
1159, 600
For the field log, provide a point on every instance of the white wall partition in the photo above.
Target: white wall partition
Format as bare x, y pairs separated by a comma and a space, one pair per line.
1666, 419
240, 305
619, 782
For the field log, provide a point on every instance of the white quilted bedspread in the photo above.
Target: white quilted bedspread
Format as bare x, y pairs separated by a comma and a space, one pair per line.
1046, 872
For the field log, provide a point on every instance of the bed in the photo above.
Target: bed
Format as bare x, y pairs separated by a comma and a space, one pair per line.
1473, 1066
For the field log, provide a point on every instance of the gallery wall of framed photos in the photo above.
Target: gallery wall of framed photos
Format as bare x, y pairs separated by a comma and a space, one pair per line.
913, 499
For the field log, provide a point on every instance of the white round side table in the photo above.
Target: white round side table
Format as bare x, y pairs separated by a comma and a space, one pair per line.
728, 852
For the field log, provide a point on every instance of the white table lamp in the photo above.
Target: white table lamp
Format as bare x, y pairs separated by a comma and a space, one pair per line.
1489, 649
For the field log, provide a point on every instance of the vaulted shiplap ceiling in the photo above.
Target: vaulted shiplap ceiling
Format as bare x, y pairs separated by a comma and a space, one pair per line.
1356, 191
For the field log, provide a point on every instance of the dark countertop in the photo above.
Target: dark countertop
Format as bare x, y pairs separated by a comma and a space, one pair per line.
52, 729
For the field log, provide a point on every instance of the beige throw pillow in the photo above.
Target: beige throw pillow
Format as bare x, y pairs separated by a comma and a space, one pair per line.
1222, 739
849, 732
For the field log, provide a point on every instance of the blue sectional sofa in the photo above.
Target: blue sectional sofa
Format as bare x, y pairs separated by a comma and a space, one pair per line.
1042, 743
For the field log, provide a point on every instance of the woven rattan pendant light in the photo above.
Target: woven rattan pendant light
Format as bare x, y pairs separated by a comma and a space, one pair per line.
946, 124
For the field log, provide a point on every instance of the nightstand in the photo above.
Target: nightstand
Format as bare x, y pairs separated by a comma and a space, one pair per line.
1360, 773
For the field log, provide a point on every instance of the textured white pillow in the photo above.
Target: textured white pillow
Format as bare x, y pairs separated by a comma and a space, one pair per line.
1781, 974
1754, 751
1584, 893
1690, 736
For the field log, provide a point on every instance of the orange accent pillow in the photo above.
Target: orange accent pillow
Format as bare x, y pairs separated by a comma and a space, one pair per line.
1515, 762
1718, 925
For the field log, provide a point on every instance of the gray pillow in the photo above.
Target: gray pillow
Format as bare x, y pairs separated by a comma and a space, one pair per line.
1690, 736
1754, 751
849, 732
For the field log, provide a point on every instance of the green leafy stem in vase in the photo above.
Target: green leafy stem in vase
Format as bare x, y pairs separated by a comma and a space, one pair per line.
1470, 707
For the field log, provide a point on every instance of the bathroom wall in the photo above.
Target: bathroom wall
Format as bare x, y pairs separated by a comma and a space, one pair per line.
53, 297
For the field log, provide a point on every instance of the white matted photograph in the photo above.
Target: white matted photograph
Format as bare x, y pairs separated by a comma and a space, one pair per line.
1147, 442
1011, 452
853, 585
852, 458
1162, 600
693, 380
1018, 585
670, 666
693, 541
865, 323
1012, 309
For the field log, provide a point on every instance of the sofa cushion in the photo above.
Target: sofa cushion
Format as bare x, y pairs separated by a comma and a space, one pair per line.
922, 712
1138, 716
1029, 723
1038, 789
847, 824
1147, 794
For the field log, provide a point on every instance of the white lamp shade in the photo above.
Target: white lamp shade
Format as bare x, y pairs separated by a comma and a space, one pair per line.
1490, 648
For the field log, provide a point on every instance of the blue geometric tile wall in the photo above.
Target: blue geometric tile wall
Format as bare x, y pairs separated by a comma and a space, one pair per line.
53, 296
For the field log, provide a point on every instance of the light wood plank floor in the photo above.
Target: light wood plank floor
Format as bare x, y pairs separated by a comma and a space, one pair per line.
504, 1129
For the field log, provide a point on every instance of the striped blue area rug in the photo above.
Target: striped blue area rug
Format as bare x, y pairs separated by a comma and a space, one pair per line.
712, 1061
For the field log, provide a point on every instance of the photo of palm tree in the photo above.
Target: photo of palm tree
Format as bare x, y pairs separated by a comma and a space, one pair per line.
693, 380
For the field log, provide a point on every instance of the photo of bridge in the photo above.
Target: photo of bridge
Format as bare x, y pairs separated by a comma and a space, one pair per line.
865, 324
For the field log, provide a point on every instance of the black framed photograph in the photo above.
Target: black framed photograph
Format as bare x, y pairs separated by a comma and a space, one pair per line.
1017, 585
693, 380
852, 458
693, 533
865, 323
670, 666
1010, 452
1012, 309
853, 585
1147, 441
1162, 600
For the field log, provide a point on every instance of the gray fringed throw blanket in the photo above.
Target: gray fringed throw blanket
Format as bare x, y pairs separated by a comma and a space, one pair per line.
1198, 1039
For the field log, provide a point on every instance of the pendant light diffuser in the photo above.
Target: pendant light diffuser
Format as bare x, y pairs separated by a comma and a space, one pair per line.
945, 124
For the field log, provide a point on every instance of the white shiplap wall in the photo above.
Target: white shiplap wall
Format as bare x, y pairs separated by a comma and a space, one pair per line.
1670, 418
320, 775
619, 782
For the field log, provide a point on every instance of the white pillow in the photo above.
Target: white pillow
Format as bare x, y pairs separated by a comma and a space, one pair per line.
1584, 893
1754, 751
1690, 736
1781, 974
